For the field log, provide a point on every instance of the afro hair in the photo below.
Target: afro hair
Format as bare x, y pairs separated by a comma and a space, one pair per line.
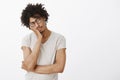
31, 10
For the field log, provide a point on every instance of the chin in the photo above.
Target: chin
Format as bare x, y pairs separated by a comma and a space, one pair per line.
41, 31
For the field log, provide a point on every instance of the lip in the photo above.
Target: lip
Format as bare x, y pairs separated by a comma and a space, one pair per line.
39, 28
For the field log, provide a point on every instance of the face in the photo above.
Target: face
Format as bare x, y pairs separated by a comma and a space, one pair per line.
38, 23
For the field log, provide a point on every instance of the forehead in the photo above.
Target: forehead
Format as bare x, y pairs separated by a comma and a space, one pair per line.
32, 19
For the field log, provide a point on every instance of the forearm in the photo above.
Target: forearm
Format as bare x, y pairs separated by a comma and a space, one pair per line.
48, 69
57, 67
31, 60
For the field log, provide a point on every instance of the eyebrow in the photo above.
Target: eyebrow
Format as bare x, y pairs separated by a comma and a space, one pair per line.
34, 20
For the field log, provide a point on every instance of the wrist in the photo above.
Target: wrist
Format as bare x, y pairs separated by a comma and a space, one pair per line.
39, 39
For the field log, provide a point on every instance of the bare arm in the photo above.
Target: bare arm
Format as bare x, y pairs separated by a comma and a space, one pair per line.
30, 57
57, 67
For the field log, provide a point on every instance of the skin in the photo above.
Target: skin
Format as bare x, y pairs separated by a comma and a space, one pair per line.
30, 57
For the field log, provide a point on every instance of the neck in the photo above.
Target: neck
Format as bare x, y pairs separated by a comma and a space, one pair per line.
46, 33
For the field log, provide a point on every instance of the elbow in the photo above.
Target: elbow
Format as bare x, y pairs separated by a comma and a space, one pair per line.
30, 68
61, 70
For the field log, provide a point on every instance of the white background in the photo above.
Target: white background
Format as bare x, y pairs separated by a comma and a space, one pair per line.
91, 28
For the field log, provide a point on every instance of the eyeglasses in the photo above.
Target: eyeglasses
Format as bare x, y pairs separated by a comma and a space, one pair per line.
37, 20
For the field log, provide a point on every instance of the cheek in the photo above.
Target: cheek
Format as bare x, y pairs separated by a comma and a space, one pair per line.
43, 24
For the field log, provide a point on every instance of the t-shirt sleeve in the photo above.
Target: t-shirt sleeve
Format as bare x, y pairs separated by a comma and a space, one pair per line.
26, 41
61, 43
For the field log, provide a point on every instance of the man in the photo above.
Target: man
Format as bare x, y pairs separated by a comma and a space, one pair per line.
44, 51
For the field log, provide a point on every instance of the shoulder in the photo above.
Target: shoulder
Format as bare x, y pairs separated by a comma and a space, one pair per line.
60, 40
28, 36
58, 35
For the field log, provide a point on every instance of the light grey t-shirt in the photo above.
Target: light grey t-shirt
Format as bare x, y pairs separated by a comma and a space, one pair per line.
47, 53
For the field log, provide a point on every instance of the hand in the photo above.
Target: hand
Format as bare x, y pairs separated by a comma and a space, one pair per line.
25, 67
38, 34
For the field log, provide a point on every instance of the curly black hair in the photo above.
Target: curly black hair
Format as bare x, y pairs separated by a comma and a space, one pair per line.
31, 10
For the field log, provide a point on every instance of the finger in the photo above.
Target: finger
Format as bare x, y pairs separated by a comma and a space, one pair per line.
22, 62
22, 67
34, 30
33, 27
